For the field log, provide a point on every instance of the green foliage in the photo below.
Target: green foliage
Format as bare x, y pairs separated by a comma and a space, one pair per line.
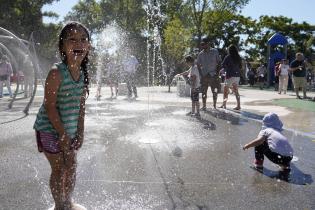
177, 39
24, 18
89, 13
182, 25
300, 35
128, 14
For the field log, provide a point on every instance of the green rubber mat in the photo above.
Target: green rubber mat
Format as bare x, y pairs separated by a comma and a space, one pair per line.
306, 105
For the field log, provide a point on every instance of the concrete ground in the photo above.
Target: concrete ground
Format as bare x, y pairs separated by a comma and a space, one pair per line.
147, 154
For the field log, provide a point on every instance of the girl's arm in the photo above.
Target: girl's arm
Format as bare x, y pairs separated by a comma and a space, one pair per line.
53, 82
80, 131
256, 142
193, 78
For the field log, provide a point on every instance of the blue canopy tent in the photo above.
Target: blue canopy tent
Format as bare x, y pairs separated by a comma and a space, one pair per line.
274, 55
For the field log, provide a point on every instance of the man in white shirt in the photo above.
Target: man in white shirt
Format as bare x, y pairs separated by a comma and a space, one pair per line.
130, 65
261, 73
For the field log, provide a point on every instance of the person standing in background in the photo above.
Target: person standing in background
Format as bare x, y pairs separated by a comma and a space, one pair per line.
232, 63
261, 74
283, 76
113, 77
131, 64
208, 61
28, 76
299, 74
5, 73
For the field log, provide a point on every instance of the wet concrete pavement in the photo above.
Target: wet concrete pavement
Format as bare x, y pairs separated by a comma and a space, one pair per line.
147, 154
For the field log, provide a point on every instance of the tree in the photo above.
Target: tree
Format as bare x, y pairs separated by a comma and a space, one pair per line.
24, 18
300, 35
89, 13
128, 14
215, 11
176, 43
198, 7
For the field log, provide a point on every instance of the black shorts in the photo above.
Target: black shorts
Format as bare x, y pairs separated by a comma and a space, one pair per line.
195, 95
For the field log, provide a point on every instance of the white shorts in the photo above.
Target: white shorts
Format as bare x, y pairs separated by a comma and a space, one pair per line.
232, 80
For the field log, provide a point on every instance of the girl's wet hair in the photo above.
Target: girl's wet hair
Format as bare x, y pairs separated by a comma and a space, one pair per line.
63, 36
233, 52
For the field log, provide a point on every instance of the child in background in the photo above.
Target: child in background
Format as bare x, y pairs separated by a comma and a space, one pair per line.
193, 75
6, 72
60, 121
271, 143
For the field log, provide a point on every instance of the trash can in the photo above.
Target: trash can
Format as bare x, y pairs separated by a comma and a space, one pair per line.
122, 89
183, 89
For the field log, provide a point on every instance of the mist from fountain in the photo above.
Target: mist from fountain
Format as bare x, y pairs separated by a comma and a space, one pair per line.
20, 53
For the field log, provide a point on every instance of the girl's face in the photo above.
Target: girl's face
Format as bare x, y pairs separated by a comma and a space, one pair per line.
76, 45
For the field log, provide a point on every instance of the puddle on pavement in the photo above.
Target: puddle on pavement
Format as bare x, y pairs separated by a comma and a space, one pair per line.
137, 107
180, 112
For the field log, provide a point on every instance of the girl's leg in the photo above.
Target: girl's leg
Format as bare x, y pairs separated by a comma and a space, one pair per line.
70, 177
7, 83
285, 83
111, 90
57, 178
197, 107
1, 88
281, 80
193, 107
116, 89
237, 95
225, 96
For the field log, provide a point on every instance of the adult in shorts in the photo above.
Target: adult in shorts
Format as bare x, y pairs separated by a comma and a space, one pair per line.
297, 67
208, 61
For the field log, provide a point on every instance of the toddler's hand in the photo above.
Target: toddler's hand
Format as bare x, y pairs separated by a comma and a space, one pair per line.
245, 147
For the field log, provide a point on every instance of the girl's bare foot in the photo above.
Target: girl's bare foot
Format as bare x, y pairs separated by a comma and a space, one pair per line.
76, 206
222, 106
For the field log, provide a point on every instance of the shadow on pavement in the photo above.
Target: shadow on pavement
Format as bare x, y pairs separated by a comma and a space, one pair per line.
13, 120
207, 124
252, 115
226, 115
296, 176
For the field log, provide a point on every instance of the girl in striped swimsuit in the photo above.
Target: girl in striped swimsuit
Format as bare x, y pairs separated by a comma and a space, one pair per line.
59, 124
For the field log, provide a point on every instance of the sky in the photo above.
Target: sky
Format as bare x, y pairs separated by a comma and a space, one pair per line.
299, 11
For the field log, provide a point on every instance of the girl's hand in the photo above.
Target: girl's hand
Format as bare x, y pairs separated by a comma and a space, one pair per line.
77, 143
64, 143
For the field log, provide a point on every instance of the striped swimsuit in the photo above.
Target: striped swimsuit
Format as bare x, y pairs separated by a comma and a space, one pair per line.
68, 106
